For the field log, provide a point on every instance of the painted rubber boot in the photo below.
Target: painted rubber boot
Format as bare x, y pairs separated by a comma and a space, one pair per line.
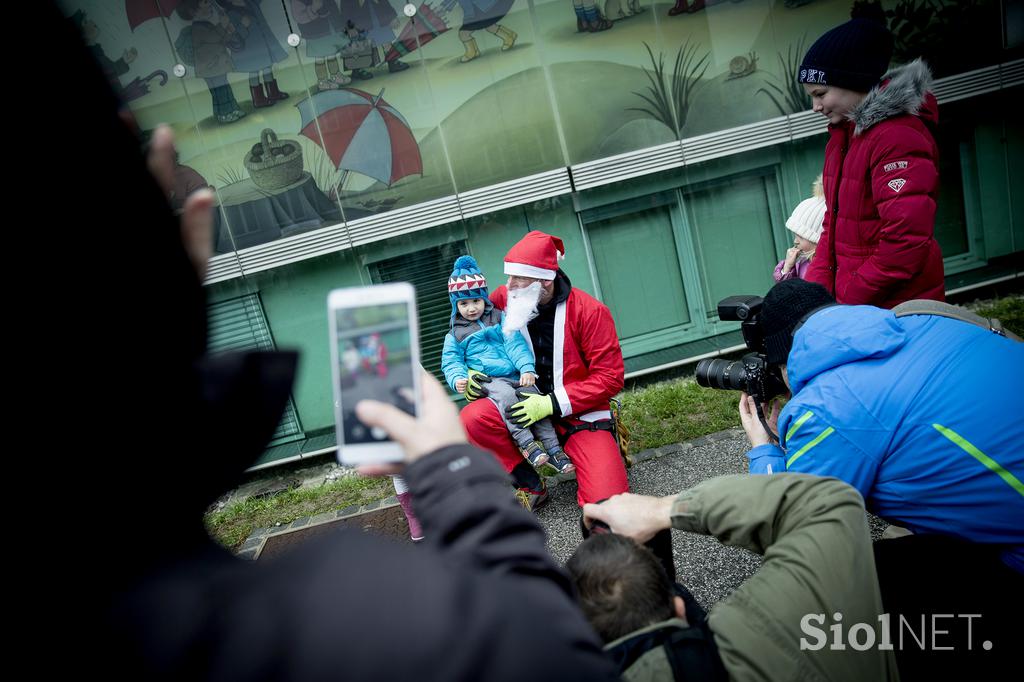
259, 98
274, 93
472, 51
508, 38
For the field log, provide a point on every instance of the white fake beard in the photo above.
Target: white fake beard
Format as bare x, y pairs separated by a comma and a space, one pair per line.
520, 308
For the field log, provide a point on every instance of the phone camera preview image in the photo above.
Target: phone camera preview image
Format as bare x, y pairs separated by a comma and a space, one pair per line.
375, 363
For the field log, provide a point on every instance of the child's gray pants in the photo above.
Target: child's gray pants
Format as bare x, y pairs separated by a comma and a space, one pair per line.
502, 393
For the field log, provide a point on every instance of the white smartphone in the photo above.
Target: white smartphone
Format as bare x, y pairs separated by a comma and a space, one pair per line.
375, 353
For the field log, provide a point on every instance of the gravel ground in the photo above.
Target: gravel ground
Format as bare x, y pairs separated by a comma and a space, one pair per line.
709, 569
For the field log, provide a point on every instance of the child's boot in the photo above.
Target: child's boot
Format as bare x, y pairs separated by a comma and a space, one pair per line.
560, 461
535, 455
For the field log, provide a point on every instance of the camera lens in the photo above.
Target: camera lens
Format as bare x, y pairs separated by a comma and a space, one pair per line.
729, 376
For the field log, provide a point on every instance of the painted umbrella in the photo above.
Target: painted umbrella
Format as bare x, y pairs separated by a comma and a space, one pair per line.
361, 133
139, 11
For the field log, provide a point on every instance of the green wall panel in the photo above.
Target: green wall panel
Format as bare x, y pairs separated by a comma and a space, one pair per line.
640, 278
732, 227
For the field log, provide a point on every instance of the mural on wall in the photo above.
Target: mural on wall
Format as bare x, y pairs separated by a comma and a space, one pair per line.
477, 91
668, 101
481, 15
114, 69
361, 133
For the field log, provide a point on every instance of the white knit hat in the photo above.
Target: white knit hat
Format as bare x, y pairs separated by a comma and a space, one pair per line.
807, 218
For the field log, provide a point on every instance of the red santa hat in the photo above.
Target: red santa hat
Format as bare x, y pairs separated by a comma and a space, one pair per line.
535, 255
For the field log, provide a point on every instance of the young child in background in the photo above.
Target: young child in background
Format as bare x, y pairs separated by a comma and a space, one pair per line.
476, 342
805, 223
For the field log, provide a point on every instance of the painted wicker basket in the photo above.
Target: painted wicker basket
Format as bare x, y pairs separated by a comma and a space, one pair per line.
273, 164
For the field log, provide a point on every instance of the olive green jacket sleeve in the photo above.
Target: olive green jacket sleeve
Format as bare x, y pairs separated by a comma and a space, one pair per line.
814, 536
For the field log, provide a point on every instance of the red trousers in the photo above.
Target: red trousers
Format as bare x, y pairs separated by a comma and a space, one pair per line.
600, 472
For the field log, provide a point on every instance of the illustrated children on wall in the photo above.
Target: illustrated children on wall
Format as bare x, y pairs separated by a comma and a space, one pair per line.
482, 15
322, 28
376, 22
112, 68
206, 44
258, 50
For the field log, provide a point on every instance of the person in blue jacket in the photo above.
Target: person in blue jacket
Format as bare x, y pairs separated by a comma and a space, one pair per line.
477, 343
920, 413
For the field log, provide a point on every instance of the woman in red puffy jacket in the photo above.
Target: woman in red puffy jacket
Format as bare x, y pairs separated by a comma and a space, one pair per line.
881, 171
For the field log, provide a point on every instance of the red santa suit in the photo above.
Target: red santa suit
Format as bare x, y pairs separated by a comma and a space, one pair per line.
586, 371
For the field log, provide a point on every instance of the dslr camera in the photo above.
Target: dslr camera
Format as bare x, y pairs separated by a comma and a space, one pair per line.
751, 373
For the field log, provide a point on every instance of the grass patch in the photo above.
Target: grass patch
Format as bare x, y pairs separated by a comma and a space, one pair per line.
231, 526
1009, 311
676, 411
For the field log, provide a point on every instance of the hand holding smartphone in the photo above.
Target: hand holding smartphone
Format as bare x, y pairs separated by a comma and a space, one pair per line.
374, 356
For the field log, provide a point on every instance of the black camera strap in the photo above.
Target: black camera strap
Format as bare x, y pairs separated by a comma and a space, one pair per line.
772, 436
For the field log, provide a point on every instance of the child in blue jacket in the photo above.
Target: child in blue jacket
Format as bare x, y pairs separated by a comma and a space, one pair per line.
476, 342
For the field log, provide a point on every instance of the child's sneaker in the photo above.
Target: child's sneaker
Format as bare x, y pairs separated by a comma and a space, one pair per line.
560, 461
535, 455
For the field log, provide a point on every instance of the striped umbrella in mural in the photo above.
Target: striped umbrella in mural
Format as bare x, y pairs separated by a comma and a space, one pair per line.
139, 11
361, 133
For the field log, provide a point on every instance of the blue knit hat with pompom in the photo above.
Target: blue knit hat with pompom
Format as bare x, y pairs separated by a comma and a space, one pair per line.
466, 280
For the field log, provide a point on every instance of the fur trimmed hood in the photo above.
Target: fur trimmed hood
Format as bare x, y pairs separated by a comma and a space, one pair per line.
903, 90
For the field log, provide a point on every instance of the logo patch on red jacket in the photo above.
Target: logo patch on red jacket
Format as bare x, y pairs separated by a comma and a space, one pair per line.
897, 184
895, 165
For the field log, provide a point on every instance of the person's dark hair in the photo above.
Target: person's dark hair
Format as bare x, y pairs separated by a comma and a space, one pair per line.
622, 586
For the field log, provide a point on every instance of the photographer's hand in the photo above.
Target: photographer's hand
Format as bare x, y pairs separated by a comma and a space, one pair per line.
636, 516
438, 425
752, 424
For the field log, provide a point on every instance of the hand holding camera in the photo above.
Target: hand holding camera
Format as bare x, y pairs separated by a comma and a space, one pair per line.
756, 432
759, 381
639, 517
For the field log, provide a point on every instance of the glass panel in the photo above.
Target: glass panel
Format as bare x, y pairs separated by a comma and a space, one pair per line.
493, 108
594, 56
638, 271
387, 147
741, 43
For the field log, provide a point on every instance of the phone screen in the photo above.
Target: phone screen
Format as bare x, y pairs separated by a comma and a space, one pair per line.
374, 362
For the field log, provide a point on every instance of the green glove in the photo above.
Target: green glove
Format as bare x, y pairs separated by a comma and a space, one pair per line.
531, 409
476, 385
